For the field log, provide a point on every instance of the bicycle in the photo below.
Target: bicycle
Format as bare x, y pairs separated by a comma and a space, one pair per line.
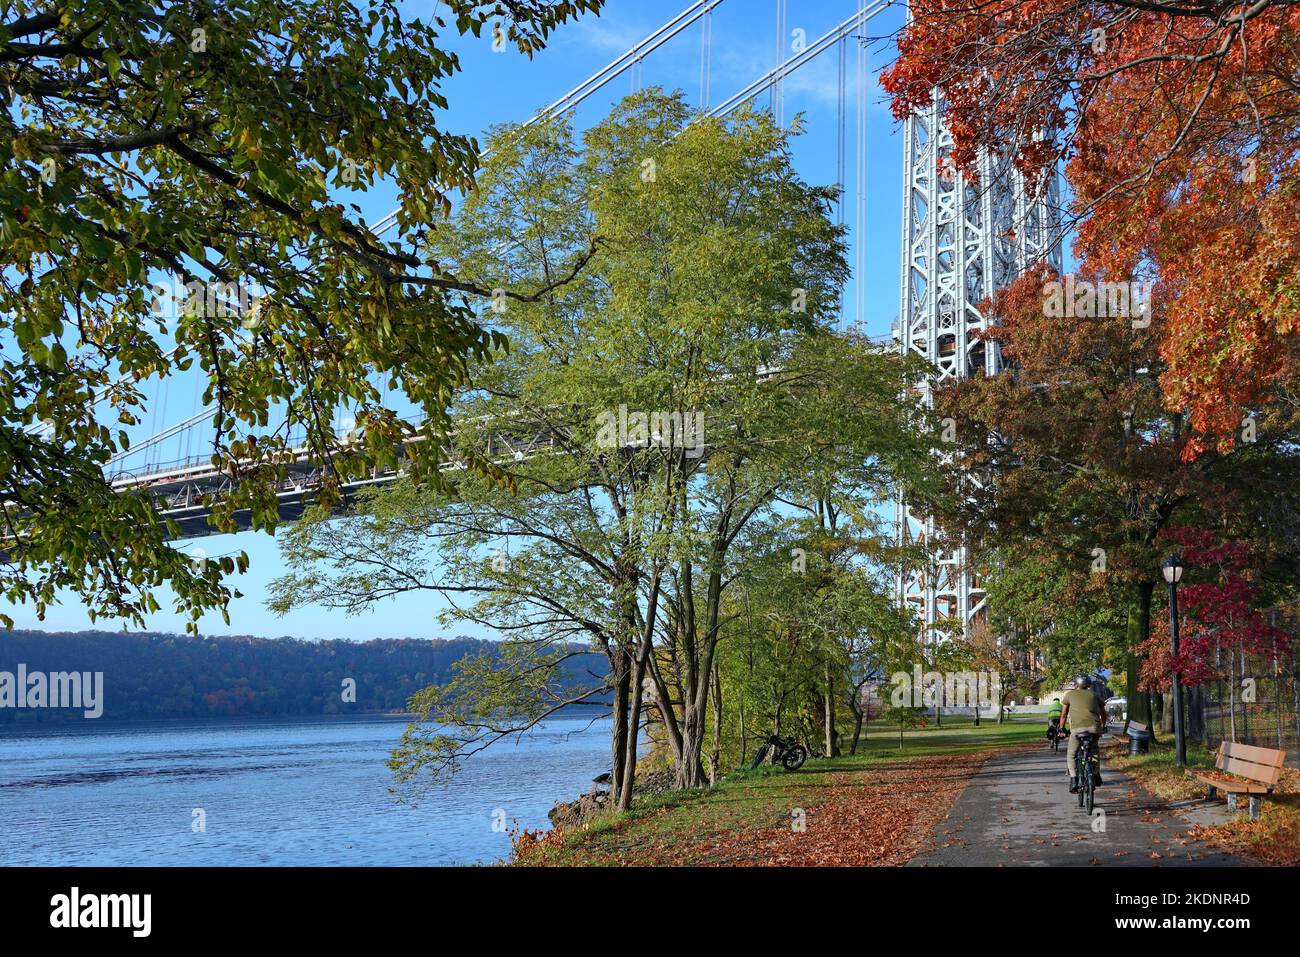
1055, 733
791, 755
1087, 769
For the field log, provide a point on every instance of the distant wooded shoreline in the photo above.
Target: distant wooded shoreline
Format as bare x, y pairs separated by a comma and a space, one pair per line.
152, 676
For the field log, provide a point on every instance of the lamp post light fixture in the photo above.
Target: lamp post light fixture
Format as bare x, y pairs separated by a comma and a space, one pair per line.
1173, 572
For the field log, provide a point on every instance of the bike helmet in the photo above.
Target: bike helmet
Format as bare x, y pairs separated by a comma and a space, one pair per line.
1083, 681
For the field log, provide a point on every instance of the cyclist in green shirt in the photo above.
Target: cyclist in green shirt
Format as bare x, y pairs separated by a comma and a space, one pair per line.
1054, 721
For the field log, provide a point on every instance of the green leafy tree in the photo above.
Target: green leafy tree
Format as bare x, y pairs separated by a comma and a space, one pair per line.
812, 621
706, 307
1070, 621
903, 717
218, 144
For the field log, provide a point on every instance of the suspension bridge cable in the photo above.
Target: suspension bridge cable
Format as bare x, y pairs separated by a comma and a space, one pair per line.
868, 9
165, 434
803, 58
597, 80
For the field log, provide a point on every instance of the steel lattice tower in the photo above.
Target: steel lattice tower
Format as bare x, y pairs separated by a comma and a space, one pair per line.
961, 242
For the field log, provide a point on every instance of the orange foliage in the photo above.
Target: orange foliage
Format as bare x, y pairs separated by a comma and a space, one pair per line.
1177, 127
530, 846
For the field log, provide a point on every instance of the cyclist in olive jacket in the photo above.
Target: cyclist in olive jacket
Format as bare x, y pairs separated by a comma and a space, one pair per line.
1083, 713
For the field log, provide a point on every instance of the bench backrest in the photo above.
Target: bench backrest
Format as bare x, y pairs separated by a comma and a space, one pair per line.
1258, 764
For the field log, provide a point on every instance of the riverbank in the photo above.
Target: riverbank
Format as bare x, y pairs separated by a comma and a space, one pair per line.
874, 808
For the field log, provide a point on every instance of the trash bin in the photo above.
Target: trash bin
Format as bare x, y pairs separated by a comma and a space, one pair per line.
1139, 740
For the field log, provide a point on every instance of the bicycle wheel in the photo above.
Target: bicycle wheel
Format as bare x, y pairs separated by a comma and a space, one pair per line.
1080, 770
1090, 795
793, 759
758, 758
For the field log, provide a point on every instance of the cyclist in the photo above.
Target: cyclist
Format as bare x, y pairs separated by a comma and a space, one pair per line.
1083, 713
1053, 719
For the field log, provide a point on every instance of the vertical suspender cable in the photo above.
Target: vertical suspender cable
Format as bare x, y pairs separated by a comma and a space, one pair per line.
706, 56
771, 90
708, 59
190, 445
159, 409
781, 40
840, 114
860, 213
774, 92
153, 424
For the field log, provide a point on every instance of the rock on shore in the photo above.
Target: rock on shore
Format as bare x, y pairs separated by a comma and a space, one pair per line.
575, 815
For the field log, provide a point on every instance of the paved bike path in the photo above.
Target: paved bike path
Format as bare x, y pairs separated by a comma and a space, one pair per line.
1017, 811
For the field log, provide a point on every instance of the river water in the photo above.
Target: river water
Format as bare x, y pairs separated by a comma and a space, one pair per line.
272, 792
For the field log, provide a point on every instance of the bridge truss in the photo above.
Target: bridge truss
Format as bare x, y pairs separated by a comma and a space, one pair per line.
961, 242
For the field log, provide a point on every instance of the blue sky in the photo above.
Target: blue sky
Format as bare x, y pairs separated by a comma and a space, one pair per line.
502, 87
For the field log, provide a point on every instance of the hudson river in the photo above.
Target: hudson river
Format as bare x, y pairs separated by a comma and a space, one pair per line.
272, 792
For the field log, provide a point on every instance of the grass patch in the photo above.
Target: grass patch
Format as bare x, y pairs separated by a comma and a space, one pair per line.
956, 736
1159, 773
704, 826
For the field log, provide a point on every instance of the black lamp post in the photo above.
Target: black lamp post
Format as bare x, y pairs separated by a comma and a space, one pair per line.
1173, 572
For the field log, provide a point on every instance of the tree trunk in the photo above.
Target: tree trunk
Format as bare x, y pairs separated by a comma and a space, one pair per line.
699, 652
1139, 627
1295, 691
624, 799
622, 689
1245, 712
629, 773
744, 738
1167, 712
690, 770
643, 652
1196, 714
832, 738
1277, 689
715, 750
664, 702
855, 705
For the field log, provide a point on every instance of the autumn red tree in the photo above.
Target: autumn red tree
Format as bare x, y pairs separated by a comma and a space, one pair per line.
1225, 604
1219, 617
1074, 457
1176, 121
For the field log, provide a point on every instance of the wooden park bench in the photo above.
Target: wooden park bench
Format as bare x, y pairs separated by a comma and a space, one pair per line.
1250, 770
